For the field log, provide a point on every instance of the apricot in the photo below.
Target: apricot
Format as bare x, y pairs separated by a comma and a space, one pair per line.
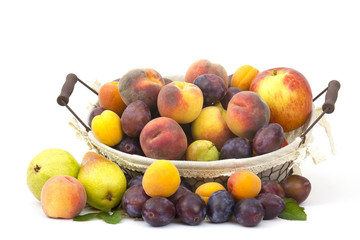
206, 189
63, 196
243, 77
161, 179
141, 84
204, 66
244, 184
109, 98
107, 128
247, 112
211, 125
180, 101
163, 138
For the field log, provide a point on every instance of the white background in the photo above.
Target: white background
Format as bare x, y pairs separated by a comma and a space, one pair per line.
43, 41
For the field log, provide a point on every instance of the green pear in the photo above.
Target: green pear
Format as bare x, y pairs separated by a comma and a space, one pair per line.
202, 150
103, 180
49, 163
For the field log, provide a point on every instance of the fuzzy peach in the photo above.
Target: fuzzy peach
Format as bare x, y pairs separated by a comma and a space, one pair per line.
63, 196
204, 66
109, 98
211, 125
180, 101
163, 138
247, 112
141, 84
106, 127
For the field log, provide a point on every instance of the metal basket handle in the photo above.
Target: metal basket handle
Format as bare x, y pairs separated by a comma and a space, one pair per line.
328, 106
66, 91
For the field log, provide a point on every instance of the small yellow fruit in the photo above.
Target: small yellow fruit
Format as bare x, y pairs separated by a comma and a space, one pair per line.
206, 189
161, 179
243, 77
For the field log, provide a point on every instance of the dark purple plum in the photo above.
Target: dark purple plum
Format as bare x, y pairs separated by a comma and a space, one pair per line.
270, 186
220, 206
212, 86
130, 145
135, 116
181, 191
158, 211
249, 212
231, 91
273, 205
237, 147
96, 111
191, 209
268, 138
296, 187
133, 201
135, 181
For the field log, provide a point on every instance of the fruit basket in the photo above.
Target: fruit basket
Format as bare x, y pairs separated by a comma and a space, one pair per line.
274, 166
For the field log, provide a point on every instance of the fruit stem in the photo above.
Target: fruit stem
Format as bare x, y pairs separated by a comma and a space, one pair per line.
37, 168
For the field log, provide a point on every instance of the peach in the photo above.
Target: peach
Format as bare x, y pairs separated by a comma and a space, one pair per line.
244, 184
204, 66
141, 84
163, 138
247, 112
180, 101
109, 98
211, 125
107, 128
288, 94
63, 196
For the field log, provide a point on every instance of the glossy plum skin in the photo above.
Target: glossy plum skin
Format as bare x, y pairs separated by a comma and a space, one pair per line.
237, 147
270, 186
212, 87
158, 211
181, 191
129, 145
273, 205
133, 201
220, 206
135, 181
296, 187
249, 212
134, 118
191, 209
268, 138
231, 91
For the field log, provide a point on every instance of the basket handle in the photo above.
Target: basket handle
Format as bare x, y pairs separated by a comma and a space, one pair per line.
328, 106
66, 91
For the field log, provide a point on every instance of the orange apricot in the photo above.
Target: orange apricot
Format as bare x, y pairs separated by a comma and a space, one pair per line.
206, 189
244, 184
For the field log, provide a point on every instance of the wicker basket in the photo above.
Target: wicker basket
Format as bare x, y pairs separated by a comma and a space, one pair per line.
274, 166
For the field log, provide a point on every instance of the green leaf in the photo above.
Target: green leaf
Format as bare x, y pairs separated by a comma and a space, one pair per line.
293, 211
85, 217
113, 218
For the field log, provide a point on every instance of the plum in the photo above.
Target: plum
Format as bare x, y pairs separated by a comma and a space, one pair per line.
296, 187
212, 87
130, 145
133, 200
273, 205
158, 211
249, 212
268, 138
231, 91
135, 116
237, 147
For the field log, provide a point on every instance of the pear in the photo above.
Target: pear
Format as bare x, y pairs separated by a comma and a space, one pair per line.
103, 180
202, 150
48, 163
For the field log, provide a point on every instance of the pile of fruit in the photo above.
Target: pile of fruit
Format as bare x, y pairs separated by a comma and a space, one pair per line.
158, 196
208, 116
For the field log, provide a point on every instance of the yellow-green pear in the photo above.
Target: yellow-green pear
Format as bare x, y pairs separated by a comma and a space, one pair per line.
202, 150
103, 180
48, 163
